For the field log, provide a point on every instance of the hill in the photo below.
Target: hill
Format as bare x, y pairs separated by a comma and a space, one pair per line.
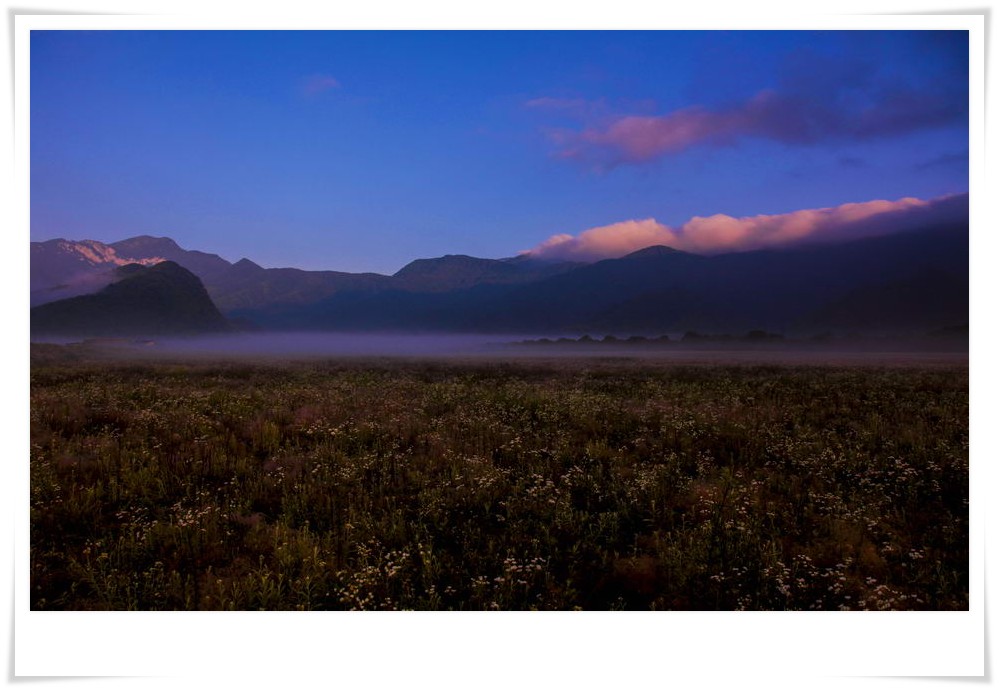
163, 299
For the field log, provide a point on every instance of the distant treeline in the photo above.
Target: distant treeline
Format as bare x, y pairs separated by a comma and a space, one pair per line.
756, 336
689, 337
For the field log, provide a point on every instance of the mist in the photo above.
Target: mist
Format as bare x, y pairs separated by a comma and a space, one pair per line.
316, 344
278, 347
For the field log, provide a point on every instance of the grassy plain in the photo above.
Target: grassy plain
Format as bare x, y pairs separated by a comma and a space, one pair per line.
583, 483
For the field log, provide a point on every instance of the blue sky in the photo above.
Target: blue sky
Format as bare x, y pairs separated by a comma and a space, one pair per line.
360, 151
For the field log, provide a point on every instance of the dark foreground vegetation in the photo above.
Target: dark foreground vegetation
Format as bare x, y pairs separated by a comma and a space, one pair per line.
447, 485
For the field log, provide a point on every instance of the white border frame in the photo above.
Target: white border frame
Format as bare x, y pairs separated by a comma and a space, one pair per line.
559, 649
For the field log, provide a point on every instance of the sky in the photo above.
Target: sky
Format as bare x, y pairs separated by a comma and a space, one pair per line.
361, 151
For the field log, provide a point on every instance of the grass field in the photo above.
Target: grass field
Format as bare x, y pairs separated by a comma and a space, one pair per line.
593, 484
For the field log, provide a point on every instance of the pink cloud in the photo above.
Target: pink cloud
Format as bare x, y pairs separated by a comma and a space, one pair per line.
318, 83
721, 233
816, 99
639, 138
604, 242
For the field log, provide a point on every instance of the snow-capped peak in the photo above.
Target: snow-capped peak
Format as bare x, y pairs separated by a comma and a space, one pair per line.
97, 253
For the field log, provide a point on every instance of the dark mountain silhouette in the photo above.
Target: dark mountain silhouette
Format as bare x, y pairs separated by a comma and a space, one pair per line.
246, 285
164, 299
927, 296
768, 289
576, 299
459, 271
658, 289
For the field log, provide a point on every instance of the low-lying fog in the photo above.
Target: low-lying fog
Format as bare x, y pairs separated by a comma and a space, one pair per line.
309, 343
288, 345
306, 344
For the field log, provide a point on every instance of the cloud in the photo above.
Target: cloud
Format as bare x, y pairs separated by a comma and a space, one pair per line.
318, 83
604, 242
781, 117
640, 138
721, 233
816, 99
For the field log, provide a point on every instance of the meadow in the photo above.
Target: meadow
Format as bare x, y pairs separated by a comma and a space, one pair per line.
586, 483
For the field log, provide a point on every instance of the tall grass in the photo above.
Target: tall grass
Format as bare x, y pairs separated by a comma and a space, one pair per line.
391, 485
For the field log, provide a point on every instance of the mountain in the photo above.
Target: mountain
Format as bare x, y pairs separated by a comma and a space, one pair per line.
922, 274
916, 280
64, 268
142, 301
207, 267
576, 300
459, 271
654, 290
926, 296
247, 285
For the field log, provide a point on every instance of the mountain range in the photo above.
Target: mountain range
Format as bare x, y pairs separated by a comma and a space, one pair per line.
64, 268
907, 282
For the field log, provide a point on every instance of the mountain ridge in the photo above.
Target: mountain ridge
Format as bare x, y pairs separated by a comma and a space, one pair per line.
247, 284
649, 290
658, 291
